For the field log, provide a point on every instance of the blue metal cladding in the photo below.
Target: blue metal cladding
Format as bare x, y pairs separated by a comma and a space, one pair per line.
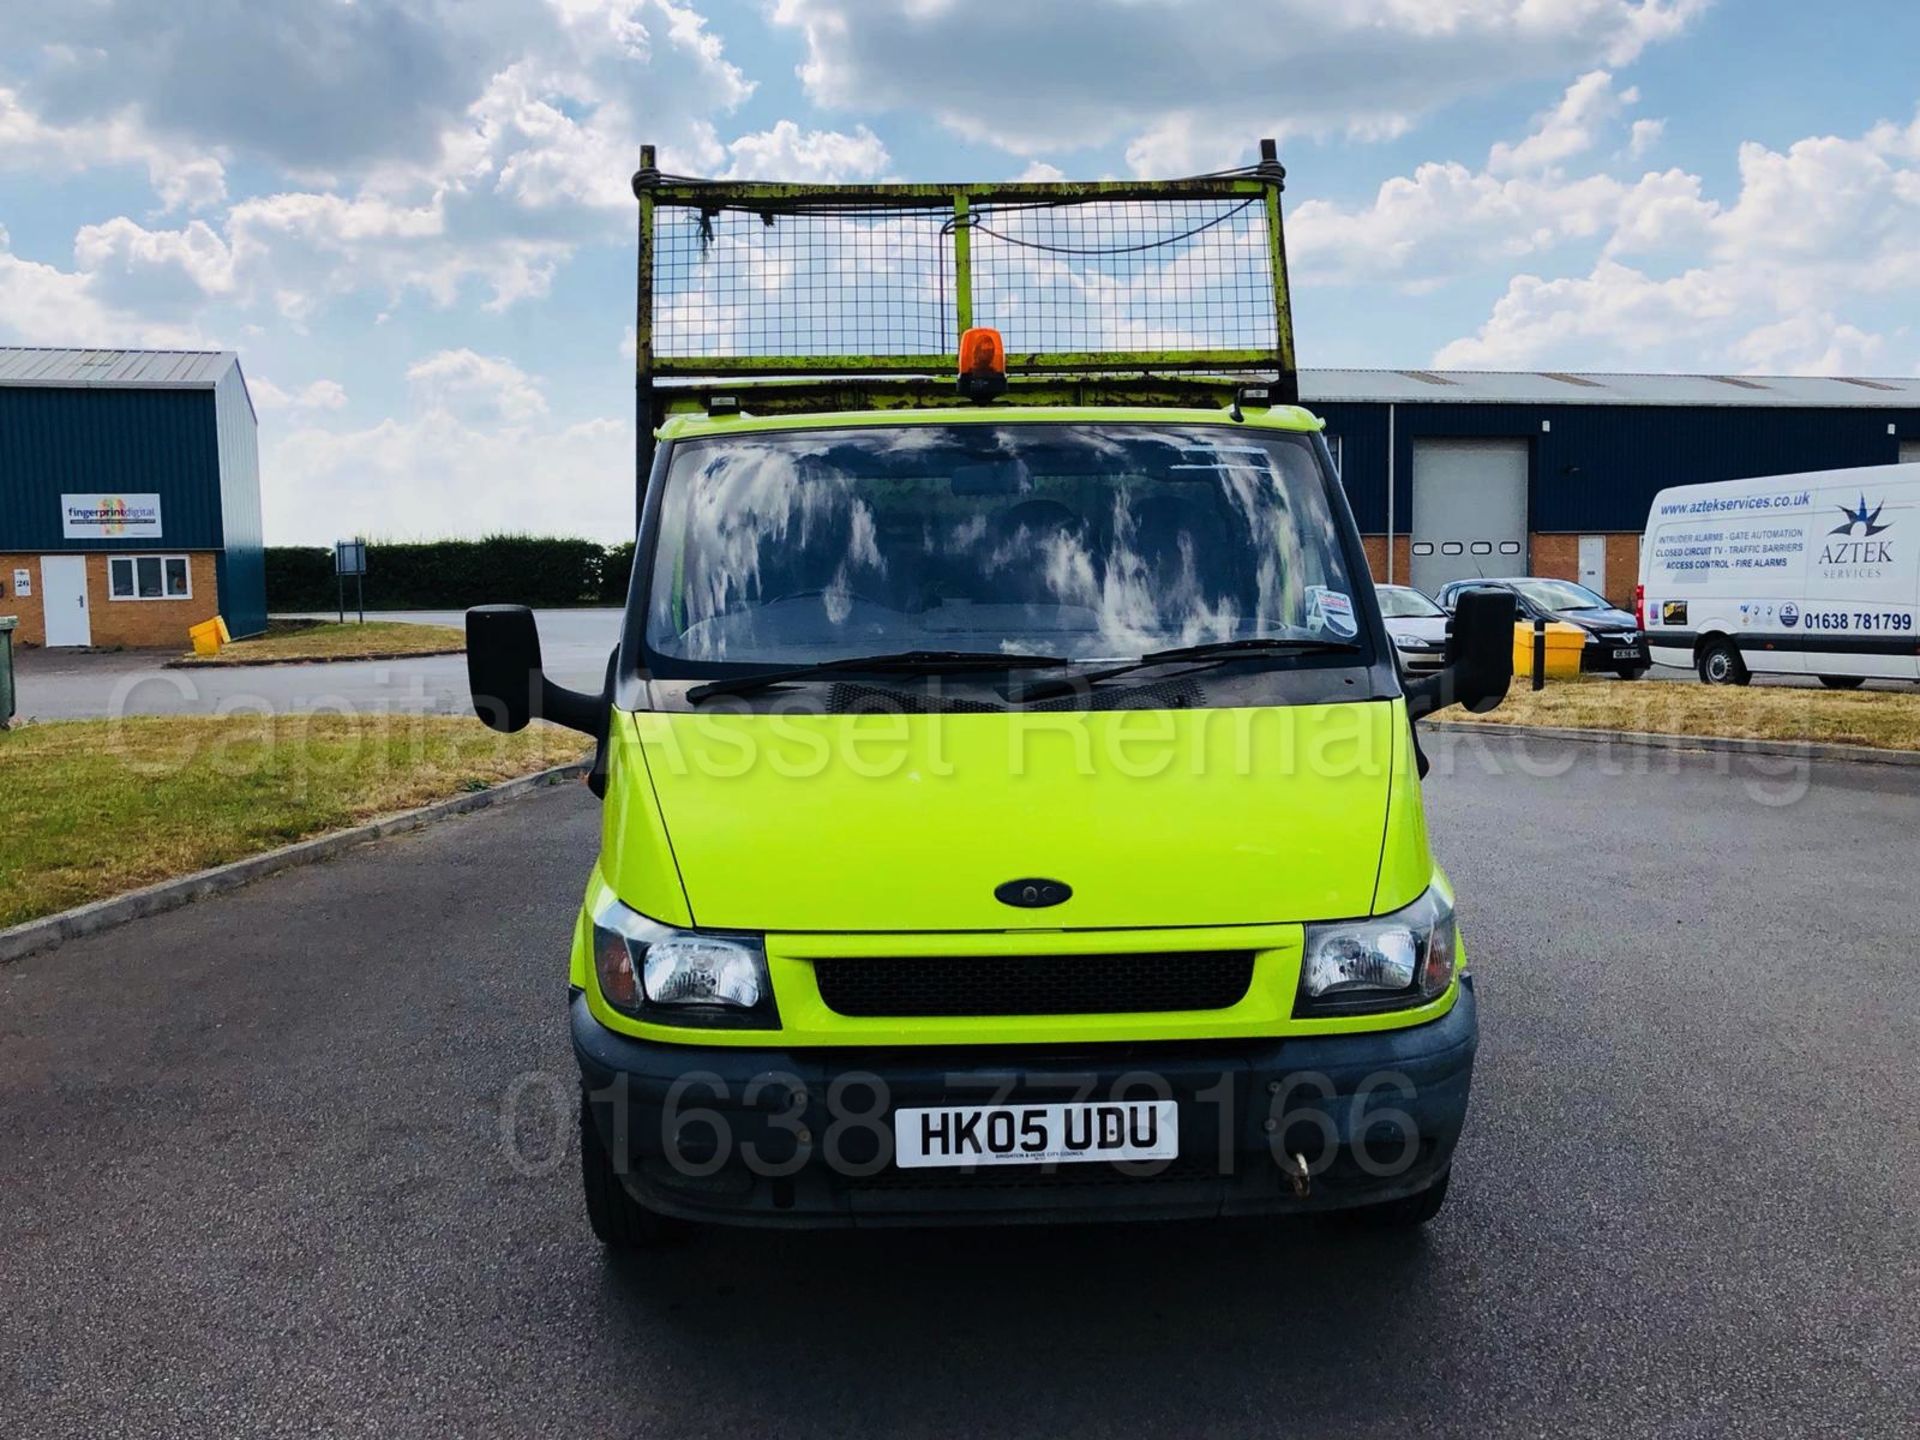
1598, 467
242, 564
56, 442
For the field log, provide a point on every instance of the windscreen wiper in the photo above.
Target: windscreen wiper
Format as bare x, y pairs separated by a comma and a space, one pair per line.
902, 662
1213, 652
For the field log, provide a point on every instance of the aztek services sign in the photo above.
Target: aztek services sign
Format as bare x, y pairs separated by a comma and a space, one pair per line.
110, 517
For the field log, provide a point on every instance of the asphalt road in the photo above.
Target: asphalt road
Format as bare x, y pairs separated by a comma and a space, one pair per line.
255, 1181
66, 685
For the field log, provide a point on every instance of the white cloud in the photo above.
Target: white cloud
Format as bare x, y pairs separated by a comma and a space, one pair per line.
786, 152
1646, 135
1447, 218
1571, 128
472, 386
430, 148
194, 256
1665, 211
316, 395
1187, 87
434, 472
41, 304
179, 175
1797, 274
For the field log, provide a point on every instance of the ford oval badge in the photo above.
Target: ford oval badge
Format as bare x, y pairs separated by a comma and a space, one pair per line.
1033, 894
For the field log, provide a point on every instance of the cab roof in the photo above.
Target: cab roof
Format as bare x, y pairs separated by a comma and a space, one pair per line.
687, 426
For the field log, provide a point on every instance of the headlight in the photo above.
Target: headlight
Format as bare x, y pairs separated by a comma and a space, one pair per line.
1409, 642
680, 977
1390, 963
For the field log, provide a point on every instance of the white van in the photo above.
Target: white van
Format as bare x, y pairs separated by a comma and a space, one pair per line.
1815, 574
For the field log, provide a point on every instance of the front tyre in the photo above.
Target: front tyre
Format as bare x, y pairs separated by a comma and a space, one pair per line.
1409, 1212
619, 1221
1631, 672
1720, 664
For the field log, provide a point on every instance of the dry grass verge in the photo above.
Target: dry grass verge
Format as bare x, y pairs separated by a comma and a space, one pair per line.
1883, 719
98, 807
288, 642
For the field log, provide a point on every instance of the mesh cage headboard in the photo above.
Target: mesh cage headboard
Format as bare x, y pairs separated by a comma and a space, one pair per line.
740, 278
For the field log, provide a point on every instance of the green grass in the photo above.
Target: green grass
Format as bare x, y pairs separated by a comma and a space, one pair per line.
1883, 719
97, 807
292, 641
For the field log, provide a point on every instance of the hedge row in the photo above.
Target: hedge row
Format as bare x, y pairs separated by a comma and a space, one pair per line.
453, 574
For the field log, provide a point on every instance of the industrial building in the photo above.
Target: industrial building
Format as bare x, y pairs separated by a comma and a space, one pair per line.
1453, 474
129, 496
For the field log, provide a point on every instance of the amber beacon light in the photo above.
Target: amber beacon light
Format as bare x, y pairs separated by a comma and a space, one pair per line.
983, 364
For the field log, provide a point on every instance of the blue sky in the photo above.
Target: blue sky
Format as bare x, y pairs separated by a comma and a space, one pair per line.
411, 219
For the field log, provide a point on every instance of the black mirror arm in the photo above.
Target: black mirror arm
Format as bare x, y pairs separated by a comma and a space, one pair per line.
575, 709
1428, 693
601, 706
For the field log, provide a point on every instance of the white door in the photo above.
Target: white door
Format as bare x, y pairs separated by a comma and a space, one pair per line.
1593, 563
63, 599
1469, 510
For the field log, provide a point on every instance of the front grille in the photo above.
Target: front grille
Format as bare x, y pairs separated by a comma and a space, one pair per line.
1035, 984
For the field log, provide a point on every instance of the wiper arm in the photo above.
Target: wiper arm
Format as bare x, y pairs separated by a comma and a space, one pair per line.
1212, 653
909, 662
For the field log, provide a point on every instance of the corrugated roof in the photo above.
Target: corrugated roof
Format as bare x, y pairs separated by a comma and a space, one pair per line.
1527, 387
125, 369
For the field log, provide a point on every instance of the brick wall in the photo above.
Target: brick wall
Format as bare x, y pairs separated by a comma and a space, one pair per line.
1558, 556
134, 624
1376, 547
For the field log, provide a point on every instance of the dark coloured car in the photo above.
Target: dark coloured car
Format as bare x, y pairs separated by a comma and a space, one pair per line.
1417, 625
1614, 642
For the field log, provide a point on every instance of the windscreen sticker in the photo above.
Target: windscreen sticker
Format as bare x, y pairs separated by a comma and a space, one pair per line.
1331, 610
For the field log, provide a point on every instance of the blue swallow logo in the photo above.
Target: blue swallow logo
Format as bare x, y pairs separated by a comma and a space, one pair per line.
1868, 524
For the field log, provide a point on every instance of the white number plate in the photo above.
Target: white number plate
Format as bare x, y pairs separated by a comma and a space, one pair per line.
1626, 654
1036, 1134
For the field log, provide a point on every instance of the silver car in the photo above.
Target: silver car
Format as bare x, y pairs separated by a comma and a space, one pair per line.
1417, 625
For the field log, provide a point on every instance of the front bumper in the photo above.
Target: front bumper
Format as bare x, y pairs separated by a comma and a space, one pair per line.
804, 1138
1607, 657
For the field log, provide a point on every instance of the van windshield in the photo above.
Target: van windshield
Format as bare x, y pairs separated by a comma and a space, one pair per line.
1086, 542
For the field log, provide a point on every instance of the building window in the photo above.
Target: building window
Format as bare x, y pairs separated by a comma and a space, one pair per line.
149, 577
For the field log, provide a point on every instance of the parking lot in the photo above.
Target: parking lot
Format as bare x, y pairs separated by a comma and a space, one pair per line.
296, 1161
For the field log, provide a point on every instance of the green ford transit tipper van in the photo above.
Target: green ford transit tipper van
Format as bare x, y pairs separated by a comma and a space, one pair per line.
1012, 802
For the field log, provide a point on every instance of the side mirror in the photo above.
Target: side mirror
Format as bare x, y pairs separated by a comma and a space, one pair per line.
1479, 657
509, 684
503, 665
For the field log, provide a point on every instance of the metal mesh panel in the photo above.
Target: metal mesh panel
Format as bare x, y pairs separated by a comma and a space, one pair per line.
1082, 277
820, 282
1187, 274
